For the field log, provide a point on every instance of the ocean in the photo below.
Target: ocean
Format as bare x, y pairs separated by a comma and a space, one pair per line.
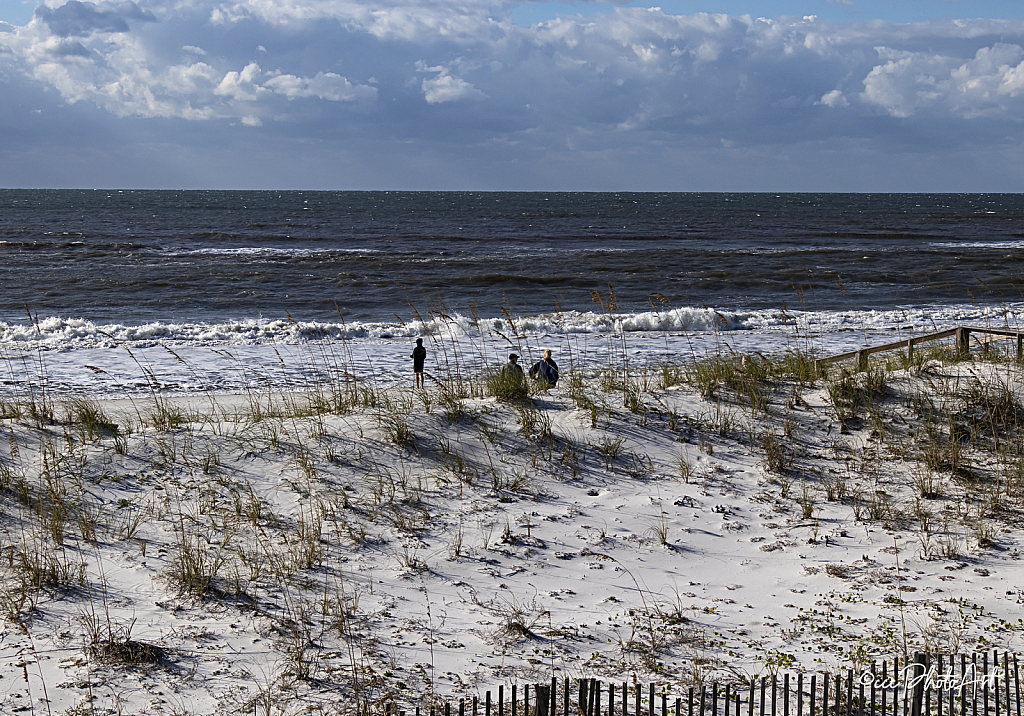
113, 293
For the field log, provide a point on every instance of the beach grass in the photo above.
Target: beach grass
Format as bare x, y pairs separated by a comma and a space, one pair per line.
382, 543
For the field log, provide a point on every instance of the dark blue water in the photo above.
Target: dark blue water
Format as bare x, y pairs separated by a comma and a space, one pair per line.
136, 257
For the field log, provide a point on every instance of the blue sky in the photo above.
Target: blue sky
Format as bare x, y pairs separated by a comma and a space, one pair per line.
688, 95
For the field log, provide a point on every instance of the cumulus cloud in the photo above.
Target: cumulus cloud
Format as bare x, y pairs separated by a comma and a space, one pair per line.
77, 19
324, 85
834, 99
446, 88
905, 83
432, 71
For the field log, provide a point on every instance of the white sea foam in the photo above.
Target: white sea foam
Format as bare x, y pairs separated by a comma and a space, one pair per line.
980, 244
270, 251
57, 333
77, 356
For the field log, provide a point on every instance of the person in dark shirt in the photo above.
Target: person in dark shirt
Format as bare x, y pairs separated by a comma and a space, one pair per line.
512, 367
419, 355
545, 370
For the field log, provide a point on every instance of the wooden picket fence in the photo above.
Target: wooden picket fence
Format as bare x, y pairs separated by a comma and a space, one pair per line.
927, 685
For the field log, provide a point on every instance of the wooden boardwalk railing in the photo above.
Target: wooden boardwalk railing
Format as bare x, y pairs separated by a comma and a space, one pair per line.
927, 685
963, 344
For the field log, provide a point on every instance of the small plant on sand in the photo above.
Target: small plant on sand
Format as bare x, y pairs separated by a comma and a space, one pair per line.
610, 448
397, 429
685, 468
507, 385
89, 418
845, 396
778, 457
112, 644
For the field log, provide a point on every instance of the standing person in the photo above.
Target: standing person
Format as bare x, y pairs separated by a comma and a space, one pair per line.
546, 370
419, 355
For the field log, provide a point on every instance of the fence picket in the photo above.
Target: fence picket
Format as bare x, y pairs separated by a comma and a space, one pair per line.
927, 685
1006, 680
1016, 683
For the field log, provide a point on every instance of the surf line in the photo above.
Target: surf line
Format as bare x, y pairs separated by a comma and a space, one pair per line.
909, 677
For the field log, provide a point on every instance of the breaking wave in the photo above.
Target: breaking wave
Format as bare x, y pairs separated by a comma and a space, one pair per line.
57, 333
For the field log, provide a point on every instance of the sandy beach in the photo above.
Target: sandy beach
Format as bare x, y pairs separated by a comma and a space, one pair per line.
358, 546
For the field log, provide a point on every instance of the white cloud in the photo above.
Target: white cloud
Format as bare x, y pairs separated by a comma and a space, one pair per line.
240, 86
910, 82
445, 87
325, 85
398, 72
834, 99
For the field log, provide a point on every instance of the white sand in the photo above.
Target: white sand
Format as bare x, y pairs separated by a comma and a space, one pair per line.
346, 564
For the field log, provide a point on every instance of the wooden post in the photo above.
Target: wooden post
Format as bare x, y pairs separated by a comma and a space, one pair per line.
910, 350
885, 690
919, 670
542, 693
874, 679
963, 341
862, 360
1016, 682
1006, 679
984, 691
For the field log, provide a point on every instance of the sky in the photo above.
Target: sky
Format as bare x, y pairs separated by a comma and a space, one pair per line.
687, 95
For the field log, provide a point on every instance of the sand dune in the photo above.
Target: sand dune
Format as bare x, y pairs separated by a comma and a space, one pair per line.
303, 553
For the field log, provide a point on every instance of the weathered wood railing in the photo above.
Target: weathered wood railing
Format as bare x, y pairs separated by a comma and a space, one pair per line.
963, 344
927, 685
